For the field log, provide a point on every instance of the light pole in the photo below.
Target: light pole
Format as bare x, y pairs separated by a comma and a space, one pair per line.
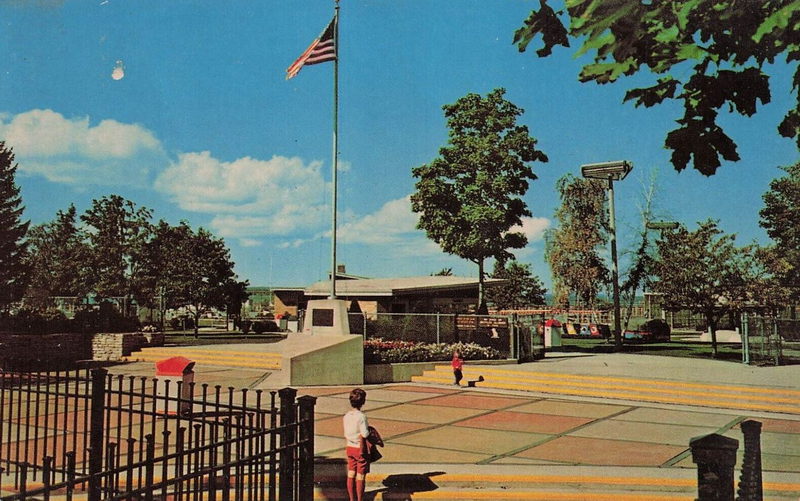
611, 171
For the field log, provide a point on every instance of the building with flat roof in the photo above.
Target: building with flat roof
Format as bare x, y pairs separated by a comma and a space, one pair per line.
426, 294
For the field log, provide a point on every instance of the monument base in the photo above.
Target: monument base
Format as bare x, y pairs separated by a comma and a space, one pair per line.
326, 317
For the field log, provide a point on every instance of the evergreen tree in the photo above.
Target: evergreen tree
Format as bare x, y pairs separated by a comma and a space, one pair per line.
13, 248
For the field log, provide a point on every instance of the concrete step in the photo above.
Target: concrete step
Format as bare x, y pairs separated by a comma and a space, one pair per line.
484, 494
210, 356
727, 396
536, 487
477, 486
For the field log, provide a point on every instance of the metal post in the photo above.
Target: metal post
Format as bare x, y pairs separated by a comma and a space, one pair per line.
615, 266
335, 159
750, 481
438, 328
306, 468
97, 432
745, 339
287, 439
715, 457
776, 341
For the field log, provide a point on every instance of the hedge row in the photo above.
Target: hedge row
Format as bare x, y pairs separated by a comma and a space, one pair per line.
27, 321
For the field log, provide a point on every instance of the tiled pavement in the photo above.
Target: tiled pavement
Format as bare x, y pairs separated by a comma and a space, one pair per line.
469, 426
498, 440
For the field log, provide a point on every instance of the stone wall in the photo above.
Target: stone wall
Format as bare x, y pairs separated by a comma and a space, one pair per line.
111, 347
64, 350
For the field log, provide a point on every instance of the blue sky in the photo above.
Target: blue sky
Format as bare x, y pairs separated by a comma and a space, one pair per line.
182, 107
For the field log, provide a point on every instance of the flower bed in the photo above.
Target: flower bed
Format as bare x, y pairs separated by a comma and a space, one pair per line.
378, 351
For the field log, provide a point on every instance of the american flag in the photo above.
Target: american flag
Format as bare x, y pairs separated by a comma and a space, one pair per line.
321, 50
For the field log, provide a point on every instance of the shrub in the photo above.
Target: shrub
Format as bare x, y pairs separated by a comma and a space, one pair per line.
31, 321
104, 319
259, 326
378, 351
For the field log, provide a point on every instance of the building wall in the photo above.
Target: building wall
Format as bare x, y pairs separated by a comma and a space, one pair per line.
286, 301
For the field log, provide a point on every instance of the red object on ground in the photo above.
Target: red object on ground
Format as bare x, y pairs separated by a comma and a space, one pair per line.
175, 366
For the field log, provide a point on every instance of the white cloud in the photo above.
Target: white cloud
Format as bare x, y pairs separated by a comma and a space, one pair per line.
251, 197
533, 227
391, 223
392, 229
250, 242
72, 151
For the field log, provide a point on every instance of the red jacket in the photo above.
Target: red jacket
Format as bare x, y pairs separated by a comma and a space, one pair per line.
457, 363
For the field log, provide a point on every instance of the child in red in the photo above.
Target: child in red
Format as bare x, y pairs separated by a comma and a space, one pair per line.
457, 365
356, 431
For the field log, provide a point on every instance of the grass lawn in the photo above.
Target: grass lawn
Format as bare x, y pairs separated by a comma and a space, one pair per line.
731, 352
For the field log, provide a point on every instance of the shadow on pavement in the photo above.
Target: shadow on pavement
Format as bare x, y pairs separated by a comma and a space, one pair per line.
402, 486
331, 479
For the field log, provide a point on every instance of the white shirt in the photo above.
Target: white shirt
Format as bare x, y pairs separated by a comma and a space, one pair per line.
355, 427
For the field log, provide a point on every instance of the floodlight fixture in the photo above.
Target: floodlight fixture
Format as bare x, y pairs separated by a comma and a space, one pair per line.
612, 171
662, 225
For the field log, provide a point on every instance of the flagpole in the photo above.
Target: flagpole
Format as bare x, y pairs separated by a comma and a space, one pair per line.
335, 162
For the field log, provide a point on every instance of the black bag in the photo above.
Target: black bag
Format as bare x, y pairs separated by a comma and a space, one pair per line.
371, 445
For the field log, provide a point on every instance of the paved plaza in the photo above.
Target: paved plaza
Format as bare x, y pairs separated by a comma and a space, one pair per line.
448, 442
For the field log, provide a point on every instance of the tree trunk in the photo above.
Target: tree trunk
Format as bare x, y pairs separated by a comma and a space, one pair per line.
712, 326
196, 322
482, 309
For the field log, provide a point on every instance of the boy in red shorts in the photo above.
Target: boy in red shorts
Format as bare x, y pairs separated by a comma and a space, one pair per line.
355, 433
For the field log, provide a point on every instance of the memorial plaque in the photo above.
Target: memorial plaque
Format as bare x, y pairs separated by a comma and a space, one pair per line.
322, 317
466, 322
493, 322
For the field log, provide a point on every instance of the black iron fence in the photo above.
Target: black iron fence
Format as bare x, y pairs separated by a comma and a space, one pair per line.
126, 437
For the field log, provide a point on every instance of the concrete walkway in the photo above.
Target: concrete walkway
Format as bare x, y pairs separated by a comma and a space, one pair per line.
447, 442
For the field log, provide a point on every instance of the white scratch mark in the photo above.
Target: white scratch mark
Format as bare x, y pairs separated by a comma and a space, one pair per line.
119, 71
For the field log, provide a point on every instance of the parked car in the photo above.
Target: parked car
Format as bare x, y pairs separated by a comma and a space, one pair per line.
651, 331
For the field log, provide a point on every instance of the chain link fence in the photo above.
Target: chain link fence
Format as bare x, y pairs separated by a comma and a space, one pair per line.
491, 331
770, 340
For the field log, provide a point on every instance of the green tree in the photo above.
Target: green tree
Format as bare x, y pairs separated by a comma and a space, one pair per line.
59, 257
765, 290
640, 269
521, 290
165, 269
469, 198
187, 268
444, 272
117, 231
573, 246
708, 54
235, 293
210, 273
14, 270
780, 217
702, 271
